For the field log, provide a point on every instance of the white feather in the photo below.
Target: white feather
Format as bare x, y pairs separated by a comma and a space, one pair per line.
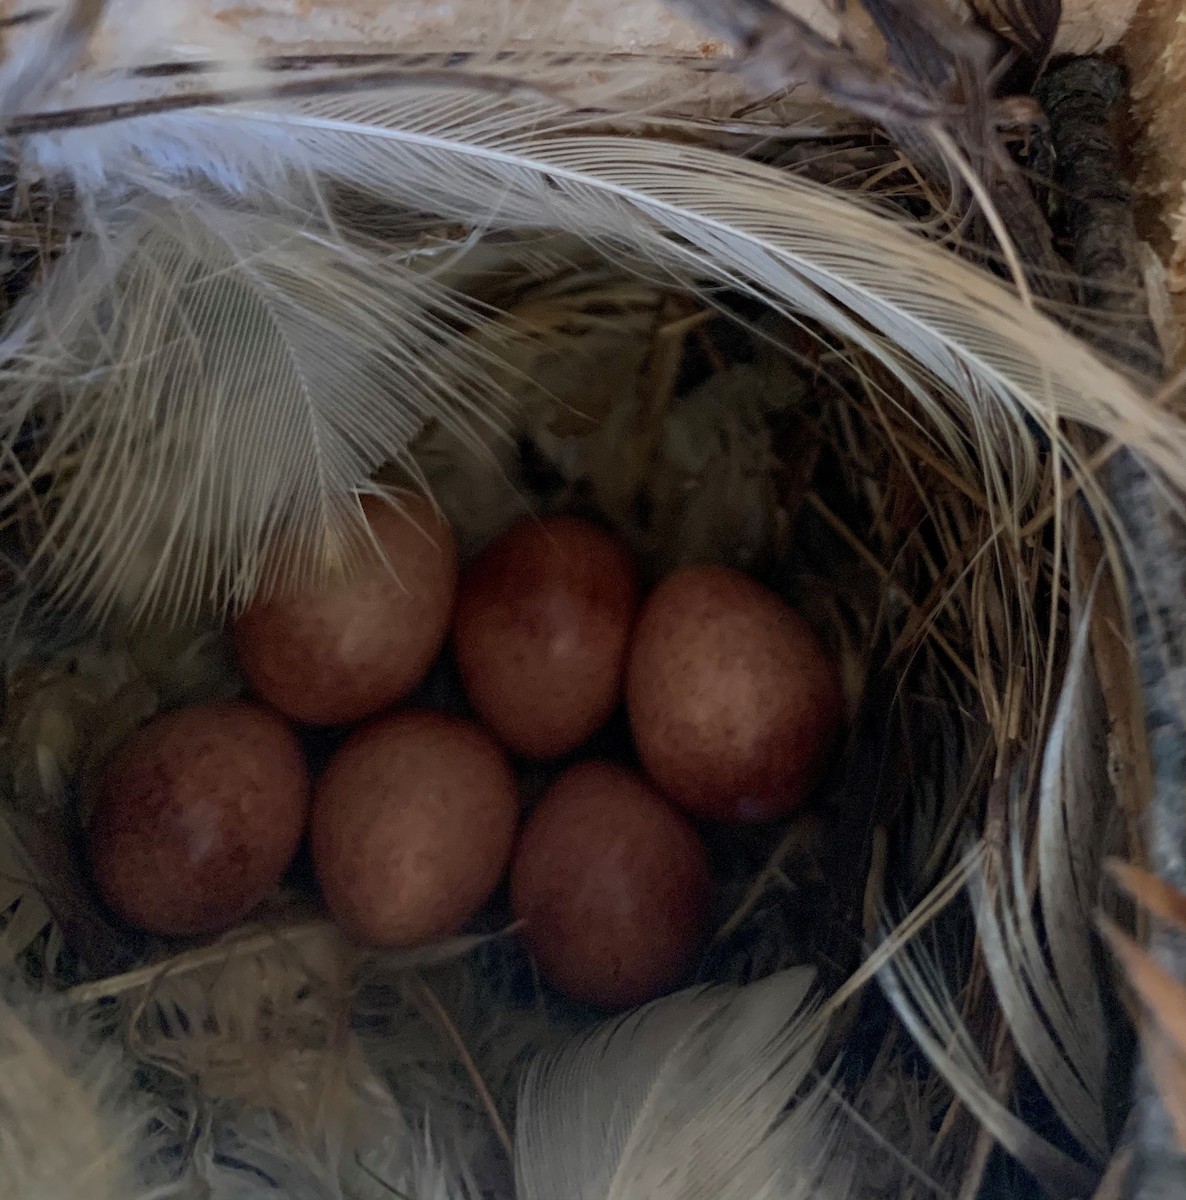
701, 212
221, 382
683, 1100
957, 340
1043, 975
915, 985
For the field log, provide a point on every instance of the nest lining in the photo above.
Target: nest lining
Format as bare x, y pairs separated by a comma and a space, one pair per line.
959, 558
714, 432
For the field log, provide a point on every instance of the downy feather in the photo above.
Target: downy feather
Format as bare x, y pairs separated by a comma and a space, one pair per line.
72, 1124
682, 1100
277, 1091
250, 1155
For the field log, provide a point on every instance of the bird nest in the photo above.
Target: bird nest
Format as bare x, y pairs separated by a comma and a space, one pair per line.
814, 366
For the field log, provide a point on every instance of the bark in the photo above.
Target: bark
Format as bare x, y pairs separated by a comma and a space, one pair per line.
1082, 99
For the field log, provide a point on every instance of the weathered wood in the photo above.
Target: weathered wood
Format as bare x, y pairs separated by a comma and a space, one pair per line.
1081, 98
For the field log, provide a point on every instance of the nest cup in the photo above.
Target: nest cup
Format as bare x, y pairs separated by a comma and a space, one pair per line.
931, 904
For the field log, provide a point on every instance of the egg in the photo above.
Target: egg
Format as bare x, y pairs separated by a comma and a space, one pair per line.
613, 886
733, 702
412, 827
543, 620
364, 643
198, 816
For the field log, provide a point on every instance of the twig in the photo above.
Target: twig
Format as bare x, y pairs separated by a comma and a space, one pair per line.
29, 17
451, 1031
343, 83
191, 960
772, 872
887, 578
375, 1177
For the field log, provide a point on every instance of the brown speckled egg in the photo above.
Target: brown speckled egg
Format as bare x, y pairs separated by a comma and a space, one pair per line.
613, 886
360, 645
413, 823
733, 702
543, 620
200, 813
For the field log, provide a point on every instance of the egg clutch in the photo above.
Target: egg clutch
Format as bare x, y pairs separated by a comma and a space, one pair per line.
416, 819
